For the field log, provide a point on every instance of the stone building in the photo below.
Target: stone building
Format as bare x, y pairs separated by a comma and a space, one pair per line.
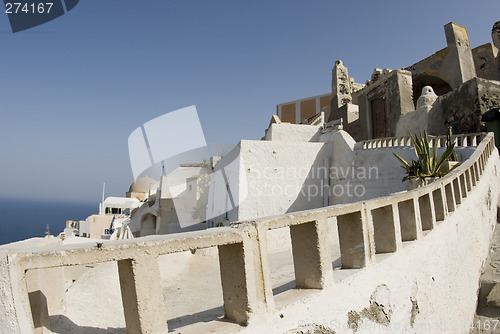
172, 204
465, 80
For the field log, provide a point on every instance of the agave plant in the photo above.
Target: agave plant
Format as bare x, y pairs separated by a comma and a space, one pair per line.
428, 164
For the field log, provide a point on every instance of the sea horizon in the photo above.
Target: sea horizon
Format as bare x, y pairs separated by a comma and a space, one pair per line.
23, 218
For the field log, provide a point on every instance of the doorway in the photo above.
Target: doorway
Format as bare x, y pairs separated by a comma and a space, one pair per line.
379, 118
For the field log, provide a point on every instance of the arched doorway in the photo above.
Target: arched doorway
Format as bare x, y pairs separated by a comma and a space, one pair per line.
439, 86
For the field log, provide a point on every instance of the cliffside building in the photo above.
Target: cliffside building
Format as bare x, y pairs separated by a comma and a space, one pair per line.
465, 79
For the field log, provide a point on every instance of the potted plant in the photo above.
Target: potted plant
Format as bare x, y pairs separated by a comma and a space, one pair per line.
427, 167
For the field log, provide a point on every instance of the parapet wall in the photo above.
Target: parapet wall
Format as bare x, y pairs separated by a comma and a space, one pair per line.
427, 286
410, 262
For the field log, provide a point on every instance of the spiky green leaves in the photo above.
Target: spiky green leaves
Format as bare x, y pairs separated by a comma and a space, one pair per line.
428, 164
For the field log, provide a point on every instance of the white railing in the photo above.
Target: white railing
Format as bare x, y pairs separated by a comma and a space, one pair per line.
366, 228
472, 139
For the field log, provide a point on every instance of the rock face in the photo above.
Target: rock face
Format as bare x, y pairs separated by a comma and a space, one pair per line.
495, 34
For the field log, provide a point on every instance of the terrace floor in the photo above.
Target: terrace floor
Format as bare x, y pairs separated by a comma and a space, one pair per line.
191, 289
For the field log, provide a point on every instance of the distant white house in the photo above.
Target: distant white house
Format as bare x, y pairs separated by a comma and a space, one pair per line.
120, 205
177, 203
113, 212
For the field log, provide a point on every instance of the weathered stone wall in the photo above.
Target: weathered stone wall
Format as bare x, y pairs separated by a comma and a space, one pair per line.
451, 66
487, 62
495, 34
344, 92
341, 88
461, 60
462, 108
489, 94
396, 89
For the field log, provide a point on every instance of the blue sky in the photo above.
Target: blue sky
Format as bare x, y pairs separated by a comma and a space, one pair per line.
72, 90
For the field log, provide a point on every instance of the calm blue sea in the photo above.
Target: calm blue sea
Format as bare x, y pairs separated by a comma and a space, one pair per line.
22, 218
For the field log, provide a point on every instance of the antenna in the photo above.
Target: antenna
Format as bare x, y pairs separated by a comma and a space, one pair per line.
103, 189
101, 207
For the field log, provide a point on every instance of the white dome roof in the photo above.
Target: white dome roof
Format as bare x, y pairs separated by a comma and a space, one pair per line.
142, 185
